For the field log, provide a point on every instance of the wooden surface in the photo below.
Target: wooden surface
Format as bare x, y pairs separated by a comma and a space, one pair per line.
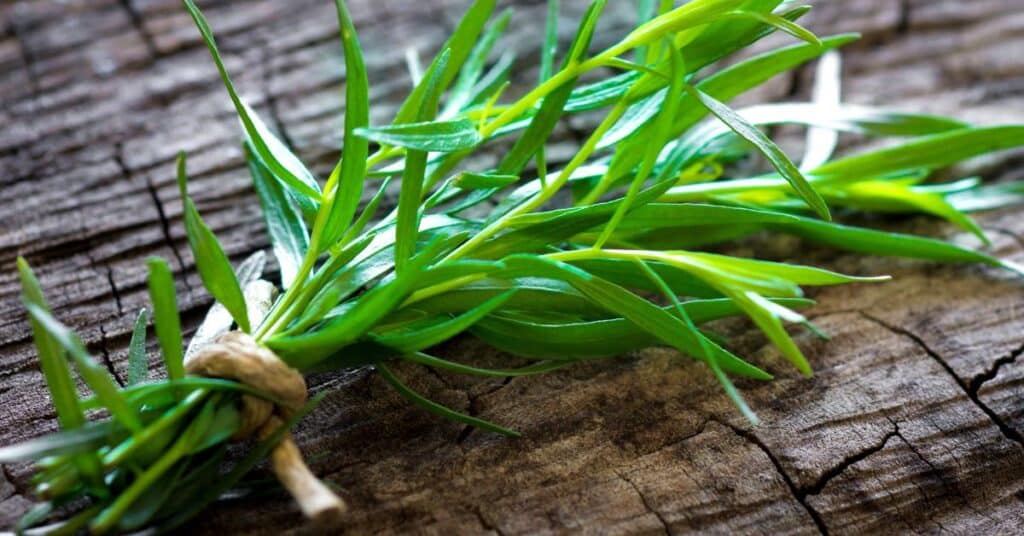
913, 422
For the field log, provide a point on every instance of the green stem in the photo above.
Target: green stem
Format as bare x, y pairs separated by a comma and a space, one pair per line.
272, 322
547, 191
112, 514
129, 446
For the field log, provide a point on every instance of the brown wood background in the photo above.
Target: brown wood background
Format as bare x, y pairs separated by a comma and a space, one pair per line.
913, 422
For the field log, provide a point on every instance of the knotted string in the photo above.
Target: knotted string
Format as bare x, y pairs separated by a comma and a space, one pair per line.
236, 356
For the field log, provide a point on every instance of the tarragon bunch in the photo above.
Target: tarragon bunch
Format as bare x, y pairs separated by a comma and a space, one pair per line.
552, 262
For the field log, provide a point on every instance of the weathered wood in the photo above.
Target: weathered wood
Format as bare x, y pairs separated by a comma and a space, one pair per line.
913, 422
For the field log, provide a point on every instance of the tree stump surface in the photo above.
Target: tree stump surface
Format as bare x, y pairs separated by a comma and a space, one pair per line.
913, 422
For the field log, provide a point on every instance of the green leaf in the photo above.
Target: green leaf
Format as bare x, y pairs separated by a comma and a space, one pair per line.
214, 267
641, 312
687, 16
550, 45
732, 81
303, 351
571, 340
782, 24
439, 409
477, 181
656, 139
411, 194
886, 196
346, 190
94, 374
451, 366
585, 32
767, 147
456, 50
85, 439
51, 357
461, 94
679, 219
929, 152
423, 335
707, 354
165, 316
288, 234
138, 363
208, 494
433, 136
284, 165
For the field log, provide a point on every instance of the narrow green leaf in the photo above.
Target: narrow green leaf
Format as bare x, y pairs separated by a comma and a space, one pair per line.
165, 316
656, 134
439, 409
687, 16
476, 181
347, 189
537, 133
451, 366
585, 32
138, 362
51, 357
434, 136
285, 225
767, 147
411, 194
455, 51
550, 45
302, 351
782, 24
84, 439
214, 267
462, 91
679, 219
707, 354
274, 154
566, 339
94, 374
641, 312
423, 335
929, 152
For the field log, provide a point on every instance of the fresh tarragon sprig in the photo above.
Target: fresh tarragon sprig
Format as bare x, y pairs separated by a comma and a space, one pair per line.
552, 262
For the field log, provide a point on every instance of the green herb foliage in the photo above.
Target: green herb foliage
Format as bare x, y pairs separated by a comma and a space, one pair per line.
576, 260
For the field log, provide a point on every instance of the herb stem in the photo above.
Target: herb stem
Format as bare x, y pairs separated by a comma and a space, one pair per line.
548, 190
441, 288
273, 321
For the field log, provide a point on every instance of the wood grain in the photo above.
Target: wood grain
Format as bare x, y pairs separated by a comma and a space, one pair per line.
914, 421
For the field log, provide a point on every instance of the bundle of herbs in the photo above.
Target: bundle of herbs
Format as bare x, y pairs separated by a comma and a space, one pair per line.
588, 259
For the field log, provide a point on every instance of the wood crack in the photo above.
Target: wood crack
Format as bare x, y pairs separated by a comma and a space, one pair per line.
106, 357
486, 523
165, 224
903, 22
140, 27
1007, 431
993, 371
798, 494
113, 290
28, 59
646, 503
471, 407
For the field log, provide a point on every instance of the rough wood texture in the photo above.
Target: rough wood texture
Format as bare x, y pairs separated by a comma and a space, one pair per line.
913, 422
